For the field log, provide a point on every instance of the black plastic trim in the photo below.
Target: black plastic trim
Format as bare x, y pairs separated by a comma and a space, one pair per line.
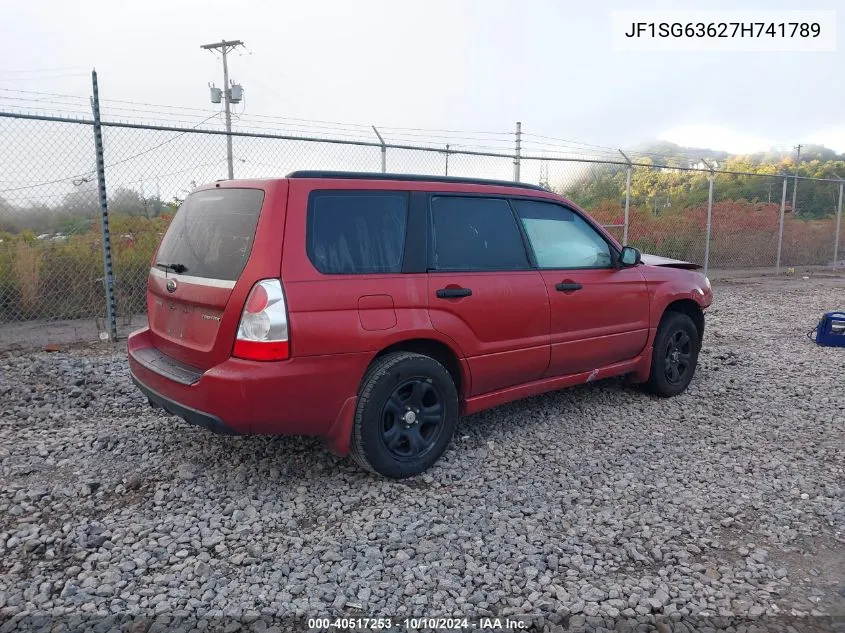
416, 255
453, 293
568, 286
154, 360
523, 233
363, 175
192, 416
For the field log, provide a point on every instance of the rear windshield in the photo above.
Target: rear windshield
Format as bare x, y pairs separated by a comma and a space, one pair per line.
212, 233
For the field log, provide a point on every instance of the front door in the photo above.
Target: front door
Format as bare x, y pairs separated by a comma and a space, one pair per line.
483, 293
599, 312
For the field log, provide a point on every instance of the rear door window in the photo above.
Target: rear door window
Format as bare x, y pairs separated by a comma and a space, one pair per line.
475, 234
357, 232
212, 233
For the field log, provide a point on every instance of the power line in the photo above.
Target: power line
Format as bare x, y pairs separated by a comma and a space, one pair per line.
42, 70
155, 147
563, 140
115, 117
49, 94
42, 78
39, 100
315, 122
80, 114
173, 173
509, 135
404, 133
415, 138
119, 162
542, 147
610, 151
163, 107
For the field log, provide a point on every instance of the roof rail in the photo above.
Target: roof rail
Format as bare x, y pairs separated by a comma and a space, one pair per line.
364, 175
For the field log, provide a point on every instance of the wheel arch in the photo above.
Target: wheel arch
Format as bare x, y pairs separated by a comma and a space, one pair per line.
439, 351
692, 310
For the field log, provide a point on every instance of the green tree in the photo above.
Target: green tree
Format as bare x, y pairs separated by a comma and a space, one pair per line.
127, 201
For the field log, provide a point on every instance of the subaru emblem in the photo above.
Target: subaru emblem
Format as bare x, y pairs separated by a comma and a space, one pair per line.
171, 285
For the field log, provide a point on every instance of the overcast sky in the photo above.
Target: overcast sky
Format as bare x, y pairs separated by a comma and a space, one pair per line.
456, 64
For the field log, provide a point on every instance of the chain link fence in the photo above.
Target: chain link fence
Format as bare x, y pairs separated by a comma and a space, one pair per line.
44, 269
51, 238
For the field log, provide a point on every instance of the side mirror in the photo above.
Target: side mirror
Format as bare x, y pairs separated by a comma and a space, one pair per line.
630, 256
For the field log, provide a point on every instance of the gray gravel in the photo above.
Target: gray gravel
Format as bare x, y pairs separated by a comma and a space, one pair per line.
583, 508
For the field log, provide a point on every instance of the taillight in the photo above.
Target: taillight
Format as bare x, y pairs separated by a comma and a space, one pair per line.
263, 330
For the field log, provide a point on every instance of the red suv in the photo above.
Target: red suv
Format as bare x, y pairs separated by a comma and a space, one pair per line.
374, 309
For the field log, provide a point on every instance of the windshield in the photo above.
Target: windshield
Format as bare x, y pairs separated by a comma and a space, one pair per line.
212, 233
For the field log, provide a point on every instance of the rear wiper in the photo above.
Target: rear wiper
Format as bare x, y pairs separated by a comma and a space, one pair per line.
175, 268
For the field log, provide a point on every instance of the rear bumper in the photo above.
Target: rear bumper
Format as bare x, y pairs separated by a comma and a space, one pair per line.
313, 395
205, 420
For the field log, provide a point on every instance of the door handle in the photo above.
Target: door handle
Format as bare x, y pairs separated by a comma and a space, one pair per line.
568, 286
453, 293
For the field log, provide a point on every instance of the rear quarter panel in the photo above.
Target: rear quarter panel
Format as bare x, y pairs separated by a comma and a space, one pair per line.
349, 313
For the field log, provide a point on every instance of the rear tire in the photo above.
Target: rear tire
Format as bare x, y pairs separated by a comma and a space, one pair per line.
674, 356
406, 414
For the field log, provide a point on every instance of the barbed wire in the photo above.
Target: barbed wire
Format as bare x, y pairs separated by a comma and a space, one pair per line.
549, 149
112, 164
480, 140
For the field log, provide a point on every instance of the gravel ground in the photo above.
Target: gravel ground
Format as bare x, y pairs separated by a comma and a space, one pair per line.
585, 508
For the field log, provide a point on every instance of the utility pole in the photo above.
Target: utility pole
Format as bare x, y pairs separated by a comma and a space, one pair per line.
795, 183
516, 157
225, 46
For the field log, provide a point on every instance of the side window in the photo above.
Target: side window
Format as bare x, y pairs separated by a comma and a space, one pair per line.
351, 232
475, 234
561, 238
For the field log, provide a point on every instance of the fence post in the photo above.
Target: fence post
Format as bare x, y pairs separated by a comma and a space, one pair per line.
627, 199
447, 159
838, 222
108, 272
795, 181
516, 156
383, 151
709, 217
780, 227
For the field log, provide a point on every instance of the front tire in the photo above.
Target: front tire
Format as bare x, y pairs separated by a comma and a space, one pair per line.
675, 355
406, 414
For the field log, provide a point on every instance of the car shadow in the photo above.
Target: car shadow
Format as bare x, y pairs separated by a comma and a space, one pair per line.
305, 460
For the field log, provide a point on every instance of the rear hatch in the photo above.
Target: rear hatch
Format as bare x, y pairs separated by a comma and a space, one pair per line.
202, 265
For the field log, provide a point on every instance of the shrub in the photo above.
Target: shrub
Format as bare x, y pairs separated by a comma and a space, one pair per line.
744, 233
